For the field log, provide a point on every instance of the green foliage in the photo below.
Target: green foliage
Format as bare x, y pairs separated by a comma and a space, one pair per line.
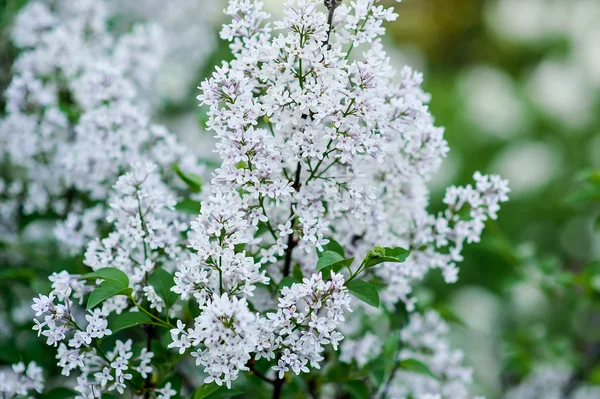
188, 205
162, 282
415, 366
334, 246
107, 289
126, 320
108, 273
357, 389
214, 391
385, 254
333, 260
193, 181
288, 281
364, 291
60, 393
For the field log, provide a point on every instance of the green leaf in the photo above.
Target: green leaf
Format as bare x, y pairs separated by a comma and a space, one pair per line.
385, 254
162, 281
108, 273
205, 391
128, 319
416, 366
357, 389
288, 281
297, 273
193, 181
188, 206
334, 246
60, 393
364, 291
333, 259
223, 392
107, 289
449, 315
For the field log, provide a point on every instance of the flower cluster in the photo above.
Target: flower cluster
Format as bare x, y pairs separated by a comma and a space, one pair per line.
74, 101
321, 145
306, 319
228, 332
317, 144
438, 240
425, 339
63, 327
147, 236
21, 380
324, 153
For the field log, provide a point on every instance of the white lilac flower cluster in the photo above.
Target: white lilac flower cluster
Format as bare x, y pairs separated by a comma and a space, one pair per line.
147, 235
437, 240
21, 381
315, 144
74, 102
319, 145
227, 332
425, 339
306, 319
552, 381
318, 142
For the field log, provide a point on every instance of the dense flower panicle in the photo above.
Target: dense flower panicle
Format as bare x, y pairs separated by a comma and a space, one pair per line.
317, 142
425, 339
438, 240
320, 144
314, 144
74, 99
306, 320
21, 380
148, 234
228, 332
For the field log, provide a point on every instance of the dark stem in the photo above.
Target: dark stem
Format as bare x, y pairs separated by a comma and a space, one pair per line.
258, 373
331, 6
312, 388
277, 387
291, 241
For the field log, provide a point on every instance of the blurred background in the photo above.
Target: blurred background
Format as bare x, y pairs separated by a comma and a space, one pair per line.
516, 84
